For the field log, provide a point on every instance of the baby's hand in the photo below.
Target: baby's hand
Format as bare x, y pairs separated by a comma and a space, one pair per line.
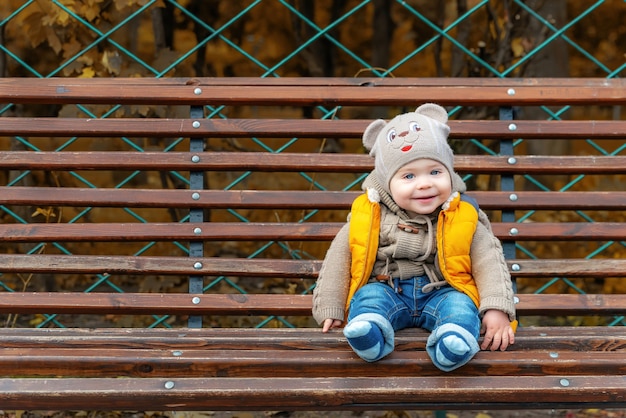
497, 331
331, 323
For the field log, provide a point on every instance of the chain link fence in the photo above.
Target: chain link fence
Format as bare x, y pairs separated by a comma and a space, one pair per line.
279, 38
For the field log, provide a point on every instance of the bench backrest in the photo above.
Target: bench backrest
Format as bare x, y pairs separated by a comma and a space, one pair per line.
174, 200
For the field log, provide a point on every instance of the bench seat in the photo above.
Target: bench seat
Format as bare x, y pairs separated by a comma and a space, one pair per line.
161, 239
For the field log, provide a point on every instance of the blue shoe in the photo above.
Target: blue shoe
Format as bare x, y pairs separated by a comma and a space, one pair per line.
370, 336
451, 346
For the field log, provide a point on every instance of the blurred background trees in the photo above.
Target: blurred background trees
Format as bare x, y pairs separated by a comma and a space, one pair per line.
512, 38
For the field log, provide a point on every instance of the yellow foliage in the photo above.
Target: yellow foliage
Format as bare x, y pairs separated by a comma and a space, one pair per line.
88, 72
517, 47
46, 213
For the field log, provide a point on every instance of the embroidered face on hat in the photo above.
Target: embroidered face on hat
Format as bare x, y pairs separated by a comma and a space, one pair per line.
407, 137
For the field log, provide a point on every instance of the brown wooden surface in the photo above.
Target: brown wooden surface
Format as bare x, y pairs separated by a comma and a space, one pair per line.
82, 362
259, 267
266, 267
267, 393
301, 368
541, 338
295, 162
562, 366
288, 199
365, 91
303, 128
262, 304
277, 231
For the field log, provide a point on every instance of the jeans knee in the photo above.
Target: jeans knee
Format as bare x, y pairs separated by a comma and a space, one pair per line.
371, 298
457, 308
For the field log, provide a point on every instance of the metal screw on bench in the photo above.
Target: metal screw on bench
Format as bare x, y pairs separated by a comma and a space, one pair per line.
513, 231
513, 197
512, 160
197, 91
516, 267
195, 124
195, 300
564, 382
169, 384
197, 231
177, 353
510, 92
554, 355
195, 159
197, 265
512, 127
195, 196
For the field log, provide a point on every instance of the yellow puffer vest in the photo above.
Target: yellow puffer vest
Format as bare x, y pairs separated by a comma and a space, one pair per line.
455, 231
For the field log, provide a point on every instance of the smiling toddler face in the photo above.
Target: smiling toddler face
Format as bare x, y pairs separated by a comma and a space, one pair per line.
421, 186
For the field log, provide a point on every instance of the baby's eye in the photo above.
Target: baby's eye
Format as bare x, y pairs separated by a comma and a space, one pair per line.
435, 172
414, 126
409, 176
391, 135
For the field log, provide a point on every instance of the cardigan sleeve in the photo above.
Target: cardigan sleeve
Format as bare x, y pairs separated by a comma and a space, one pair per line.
331, 289
490, 270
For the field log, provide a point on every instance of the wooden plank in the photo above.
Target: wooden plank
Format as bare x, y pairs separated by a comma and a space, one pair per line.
545, 338
295, 162
145, 265
261, 304
154, 303
213, 161
560, 231
88, 197
569, 304
288, 199
278, 231
94, 264
206, 231
302, 128
187, 394
86, 362
600, 82
589, 268
153, 82
59, 91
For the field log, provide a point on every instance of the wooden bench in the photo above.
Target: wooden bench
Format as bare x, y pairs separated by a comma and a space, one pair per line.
160, 240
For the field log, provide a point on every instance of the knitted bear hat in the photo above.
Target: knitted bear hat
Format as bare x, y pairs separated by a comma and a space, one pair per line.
408, 137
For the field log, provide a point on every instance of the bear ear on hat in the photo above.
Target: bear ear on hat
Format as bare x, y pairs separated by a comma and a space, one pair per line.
371, 132
433, 111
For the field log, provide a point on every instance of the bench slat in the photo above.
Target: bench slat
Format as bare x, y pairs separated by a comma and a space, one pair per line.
287, 199
145, 265
568, 268
297, 162
258, 267
261, 304
75, 362
359, 92
544, 338
312, 393
213, 231
302, 128
153, 82
256, 231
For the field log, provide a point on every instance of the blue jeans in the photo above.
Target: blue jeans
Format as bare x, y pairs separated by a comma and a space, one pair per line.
437, 311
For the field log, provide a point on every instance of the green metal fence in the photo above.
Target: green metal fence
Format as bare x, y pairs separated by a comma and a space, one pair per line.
277, 38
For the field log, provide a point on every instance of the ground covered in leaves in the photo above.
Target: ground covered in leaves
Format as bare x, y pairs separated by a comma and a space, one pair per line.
528, 413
